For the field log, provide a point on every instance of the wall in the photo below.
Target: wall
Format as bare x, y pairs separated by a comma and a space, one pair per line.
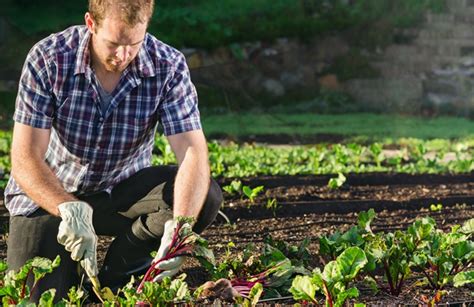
431, 72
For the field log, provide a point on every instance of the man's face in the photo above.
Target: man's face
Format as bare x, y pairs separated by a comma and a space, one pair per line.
115, 44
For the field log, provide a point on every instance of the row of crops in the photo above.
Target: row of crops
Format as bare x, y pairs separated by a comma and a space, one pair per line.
357, 258
235, 161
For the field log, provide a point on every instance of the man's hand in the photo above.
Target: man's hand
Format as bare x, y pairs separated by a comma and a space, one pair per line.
170, 266
77, 234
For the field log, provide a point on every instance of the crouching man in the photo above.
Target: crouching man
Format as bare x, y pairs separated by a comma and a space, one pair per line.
88, 105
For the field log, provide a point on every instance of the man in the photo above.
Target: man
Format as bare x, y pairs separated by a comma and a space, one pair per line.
88, 103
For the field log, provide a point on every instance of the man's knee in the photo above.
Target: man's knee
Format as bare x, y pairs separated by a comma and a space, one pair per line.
210, 208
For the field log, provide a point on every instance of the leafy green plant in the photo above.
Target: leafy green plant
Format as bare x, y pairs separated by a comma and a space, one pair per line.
336, 183
463, 278
446, 255
268, 266
334, 281
184, 243
15, 290
76, 297
377, 153
273, 205
153, 293
333, 245
251, 193
299, 255
234, 188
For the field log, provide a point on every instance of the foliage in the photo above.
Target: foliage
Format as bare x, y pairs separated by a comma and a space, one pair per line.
15, 291
237, 161
443, 256
184, 243
269, 267
251, 193
299, 255
212, 23
336, 183
334, 281
278, 268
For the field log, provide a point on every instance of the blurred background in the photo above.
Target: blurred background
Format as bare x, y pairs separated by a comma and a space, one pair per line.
296, 71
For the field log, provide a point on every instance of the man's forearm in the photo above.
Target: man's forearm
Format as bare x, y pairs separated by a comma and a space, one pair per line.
191, 184
39, 182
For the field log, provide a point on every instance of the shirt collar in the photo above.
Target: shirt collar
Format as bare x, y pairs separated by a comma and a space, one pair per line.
142, 64
82, 57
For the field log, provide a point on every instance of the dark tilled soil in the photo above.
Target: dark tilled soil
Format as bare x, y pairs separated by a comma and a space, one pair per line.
308, 209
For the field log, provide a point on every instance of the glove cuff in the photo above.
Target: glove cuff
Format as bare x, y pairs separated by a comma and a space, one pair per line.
75, 209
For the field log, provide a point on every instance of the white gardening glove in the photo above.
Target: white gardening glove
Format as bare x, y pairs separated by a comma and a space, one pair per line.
171, 266
77, 234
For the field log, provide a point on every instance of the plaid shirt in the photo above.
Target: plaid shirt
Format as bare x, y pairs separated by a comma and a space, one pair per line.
91, 151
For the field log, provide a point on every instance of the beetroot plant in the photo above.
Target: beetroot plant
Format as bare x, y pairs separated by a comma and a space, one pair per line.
333, 282
15, 291
184, 243
445, 255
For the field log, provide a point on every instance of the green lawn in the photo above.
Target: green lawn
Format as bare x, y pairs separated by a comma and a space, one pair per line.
372, 126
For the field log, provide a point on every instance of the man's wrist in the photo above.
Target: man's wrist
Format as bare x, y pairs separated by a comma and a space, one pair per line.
69, 209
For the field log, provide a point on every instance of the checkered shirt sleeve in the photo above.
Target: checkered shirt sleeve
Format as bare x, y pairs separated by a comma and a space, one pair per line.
179, 109
34, 106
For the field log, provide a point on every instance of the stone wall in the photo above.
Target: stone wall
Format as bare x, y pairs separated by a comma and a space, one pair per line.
433, 72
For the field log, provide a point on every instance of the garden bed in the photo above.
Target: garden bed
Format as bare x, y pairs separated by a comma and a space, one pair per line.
308, 208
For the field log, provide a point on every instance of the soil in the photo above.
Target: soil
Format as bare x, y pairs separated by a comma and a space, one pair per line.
307, 208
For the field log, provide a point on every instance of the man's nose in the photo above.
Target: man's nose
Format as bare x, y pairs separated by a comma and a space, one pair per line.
122, 53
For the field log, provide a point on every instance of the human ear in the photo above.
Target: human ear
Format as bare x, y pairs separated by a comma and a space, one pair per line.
90, 23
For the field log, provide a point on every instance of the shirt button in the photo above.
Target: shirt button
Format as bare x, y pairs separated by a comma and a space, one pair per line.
101, 120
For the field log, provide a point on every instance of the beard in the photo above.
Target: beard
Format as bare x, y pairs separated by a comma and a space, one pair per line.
114, 66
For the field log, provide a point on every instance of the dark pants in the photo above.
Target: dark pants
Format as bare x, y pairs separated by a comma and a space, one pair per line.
134, 212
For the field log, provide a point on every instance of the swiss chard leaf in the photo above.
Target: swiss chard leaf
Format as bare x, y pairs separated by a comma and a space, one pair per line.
304, 289
463, 278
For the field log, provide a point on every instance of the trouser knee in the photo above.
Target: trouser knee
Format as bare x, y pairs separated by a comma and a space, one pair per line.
210, 208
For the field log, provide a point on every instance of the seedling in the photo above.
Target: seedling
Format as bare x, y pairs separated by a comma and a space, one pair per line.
272, 204
234, 188
436, 207
336, 183
252, 193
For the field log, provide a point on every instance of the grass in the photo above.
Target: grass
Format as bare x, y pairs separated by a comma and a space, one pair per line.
371, 126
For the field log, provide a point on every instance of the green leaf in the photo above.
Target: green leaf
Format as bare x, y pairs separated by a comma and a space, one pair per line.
303, 289
3, 266
326, 246
336, 183
344, 295
463, 278
351, 261
42, 266
468, 227
464, 250
365, 218
47, 298
247, 191
332, 272
205, 253
255, 293
180, 289
423, 228
353, 237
